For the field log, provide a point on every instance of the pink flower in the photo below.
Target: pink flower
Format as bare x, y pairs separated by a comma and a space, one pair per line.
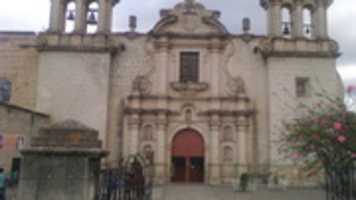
353, 155
341, 139
337, 126
351, 88
296, 155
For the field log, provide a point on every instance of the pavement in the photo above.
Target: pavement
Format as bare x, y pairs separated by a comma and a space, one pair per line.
206, 192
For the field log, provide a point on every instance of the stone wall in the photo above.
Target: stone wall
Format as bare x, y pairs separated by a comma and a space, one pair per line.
74, 85
19, 65
16, 125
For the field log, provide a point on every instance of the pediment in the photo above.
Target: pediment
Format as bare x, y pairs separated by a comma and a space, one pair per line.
190, 18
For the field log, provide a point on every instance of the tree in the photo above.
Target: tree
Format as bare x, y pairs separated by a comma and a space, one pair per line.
325, 137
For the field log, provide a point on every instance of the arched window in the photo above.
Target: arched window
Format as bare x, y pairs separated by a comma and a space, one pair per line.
228, 134
148, 133
5, 90
92, 17
286, 17
70, 17
228, 154
307, 22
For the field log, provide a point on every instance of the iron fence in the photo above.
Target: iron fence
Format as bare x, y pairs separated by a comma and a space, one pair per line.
125, 183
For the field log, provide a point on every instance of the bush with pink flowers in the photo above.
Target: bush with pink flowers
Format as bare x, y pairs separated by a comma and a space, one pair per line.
326, 137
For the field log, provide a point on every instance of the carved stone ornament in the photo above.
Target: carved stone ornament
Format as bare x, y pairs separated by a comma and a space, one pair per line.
142, 85
236, 86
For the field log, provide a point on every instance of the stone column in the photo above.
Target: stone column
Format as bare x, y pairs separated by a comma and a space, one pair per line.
215, 166
320, 22
105, 16
274, 20
297, 21
134, 125
80, 16
161, 148
242, 131
215, 48
57, 16
162, 63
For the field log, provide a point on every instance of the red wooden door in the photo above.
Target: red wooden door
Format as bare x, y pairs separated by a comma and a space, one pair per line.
188, 157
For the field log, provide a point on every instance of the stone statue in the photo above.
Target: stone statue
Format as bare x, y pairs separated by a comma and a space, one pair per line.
142, 85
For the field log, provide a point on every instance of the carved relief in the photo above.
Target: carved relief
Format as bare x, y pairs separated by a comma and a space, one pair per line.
236, 86
228, 154
142, 85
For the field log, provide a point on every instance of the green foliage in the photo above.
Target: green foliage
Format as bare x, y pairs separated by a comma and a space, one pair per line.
244, 180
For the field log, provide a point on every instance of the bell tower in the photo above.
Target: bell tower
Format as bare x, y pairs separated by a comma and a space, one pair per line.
297, 18
83, 13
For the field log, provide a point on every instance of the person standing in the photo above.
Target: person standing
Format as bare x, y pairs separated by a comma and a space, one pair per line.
2, 184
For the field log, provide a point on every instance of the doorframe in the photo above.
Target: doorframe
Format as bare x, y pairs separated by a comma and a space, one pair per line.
205, 152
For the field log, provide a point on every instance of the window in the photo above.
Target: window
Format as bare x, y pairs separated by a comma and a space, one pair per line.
5, 90
302, 86
189, 67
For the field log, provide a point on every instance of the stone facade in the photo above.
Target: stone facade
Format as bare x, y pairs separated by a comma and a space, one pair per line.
128, 84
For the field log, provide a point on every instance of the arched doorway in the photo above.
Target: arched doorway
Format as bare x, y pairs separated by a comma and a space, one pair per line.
188, 157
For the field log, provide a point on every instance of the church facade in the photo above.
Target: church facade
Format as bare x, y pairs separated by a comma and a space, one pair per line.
200, 103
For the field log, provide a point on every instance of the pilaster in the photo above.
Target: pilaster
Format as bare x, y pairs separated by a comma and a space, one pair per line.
161, 148
298, 20
134, 124
57, 16
105, 16
215, 49
81, 16
163, 48
274, 19
243, 144
215, 167
320, 21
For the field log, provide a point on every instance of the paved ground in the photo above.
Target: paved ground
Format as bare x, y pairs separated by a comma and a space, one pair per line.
204, 192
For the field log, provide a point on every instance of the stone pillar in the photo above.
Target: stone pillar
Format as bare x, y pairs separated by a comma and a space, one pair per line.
275, 19
61, 163
162, 62
160, 164
242, 131
105, 16
215, 166
320, 22
80, 16
297, 20
215, 48
57, 18
134, 126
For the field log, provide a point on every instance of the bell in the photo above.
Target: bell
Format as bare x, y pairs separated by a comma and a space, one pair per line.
286, 30
71, 15
307, 30
92, 18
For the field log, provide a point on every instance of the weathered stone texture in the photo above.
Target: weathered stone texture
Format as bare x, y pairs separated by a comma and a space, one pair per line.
19, 65
17, 122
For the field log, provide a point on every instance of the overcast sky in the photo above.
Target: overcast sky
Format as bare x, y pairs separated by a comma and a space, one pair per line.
33, 15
